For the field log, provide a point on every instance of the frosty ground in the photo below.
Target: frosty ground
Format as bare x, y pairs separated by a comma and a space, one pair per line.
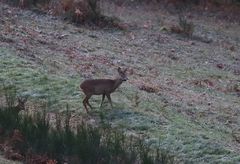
182, 94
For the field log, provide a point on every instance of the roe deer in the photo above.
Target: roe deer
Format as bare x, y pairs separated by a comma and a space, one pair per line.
102, 87
21, 104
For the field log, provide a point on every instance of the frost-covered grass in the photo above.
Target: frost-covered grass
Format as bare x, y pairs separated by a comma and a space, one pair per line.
194, 107
37, 83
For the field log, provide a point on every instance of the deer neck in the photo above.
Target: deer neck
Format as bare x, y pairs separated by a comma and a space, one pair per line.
117, 83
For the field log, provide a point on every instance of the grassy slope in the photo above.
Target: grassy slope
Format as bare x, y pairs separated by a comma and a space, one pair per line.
32, 80
193, 121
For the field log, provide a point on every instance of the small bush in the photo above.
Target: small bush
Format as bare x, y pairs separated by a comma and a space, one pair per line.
81, 10
184, 27
187, 27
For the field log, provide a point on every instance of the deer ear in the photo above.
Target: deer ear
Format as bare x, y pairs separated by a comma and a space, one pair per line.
119, 69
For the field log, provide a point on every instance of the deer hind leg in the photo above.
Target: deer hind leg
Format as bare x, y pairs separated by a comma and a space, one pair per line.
109, 99
103, 97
